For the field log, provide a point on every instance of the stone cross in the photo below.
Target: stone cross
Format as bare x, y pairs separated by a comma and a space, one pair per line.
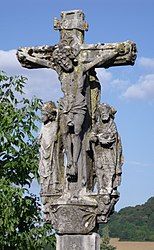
81, 152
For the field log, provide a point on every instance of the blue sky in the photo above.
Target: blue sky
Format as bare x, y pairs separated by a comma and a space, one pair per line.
129, 89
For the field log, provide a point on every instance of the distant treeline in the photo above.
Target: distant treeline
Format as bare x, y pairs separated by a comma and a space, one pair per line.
134, 223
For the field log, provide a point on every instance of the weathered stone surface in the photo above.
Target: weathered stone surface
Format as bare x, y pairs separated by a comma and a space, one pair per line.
78, 242
51, 169
73, 219
80, 148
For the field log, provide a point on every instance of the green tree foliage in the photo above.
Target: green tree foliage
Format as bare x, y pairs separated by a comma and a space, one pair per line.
21, 225
18, 116
134, 223
105, 239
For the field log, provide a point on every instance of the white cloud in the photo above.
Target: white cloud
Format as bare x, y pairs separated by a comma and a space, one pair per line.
144, 89
8, 61
104, 76
146, 62
140, 164
120, 84
42, 83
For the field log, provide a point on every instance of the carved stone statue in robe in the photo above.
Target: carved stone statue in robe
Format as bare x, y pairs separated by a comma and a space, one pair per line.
107, 150
48, 164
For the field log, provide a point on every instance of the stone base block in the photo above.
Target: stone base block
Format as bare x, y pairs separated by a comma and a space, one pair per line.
78, 242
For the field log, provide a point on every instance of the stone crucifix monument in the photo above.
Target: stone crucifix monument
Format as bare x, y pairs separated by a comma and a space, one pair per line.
80, 148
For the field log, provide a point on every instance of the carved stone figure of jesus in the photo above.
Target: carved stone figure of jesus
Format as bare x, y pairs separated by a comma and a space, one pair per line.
72, 70
73, 105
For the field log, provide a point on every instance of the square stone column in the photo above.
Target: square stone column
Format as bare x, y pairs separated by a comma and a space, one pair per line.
78, 242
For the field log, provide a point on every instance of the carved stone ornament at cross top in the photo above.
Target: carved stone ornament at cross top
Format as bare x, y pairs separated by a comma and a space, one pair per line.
80, 148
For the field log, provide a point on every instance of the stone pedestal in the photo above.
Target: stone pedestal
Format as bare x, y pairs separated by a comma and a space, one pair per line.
78, 242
